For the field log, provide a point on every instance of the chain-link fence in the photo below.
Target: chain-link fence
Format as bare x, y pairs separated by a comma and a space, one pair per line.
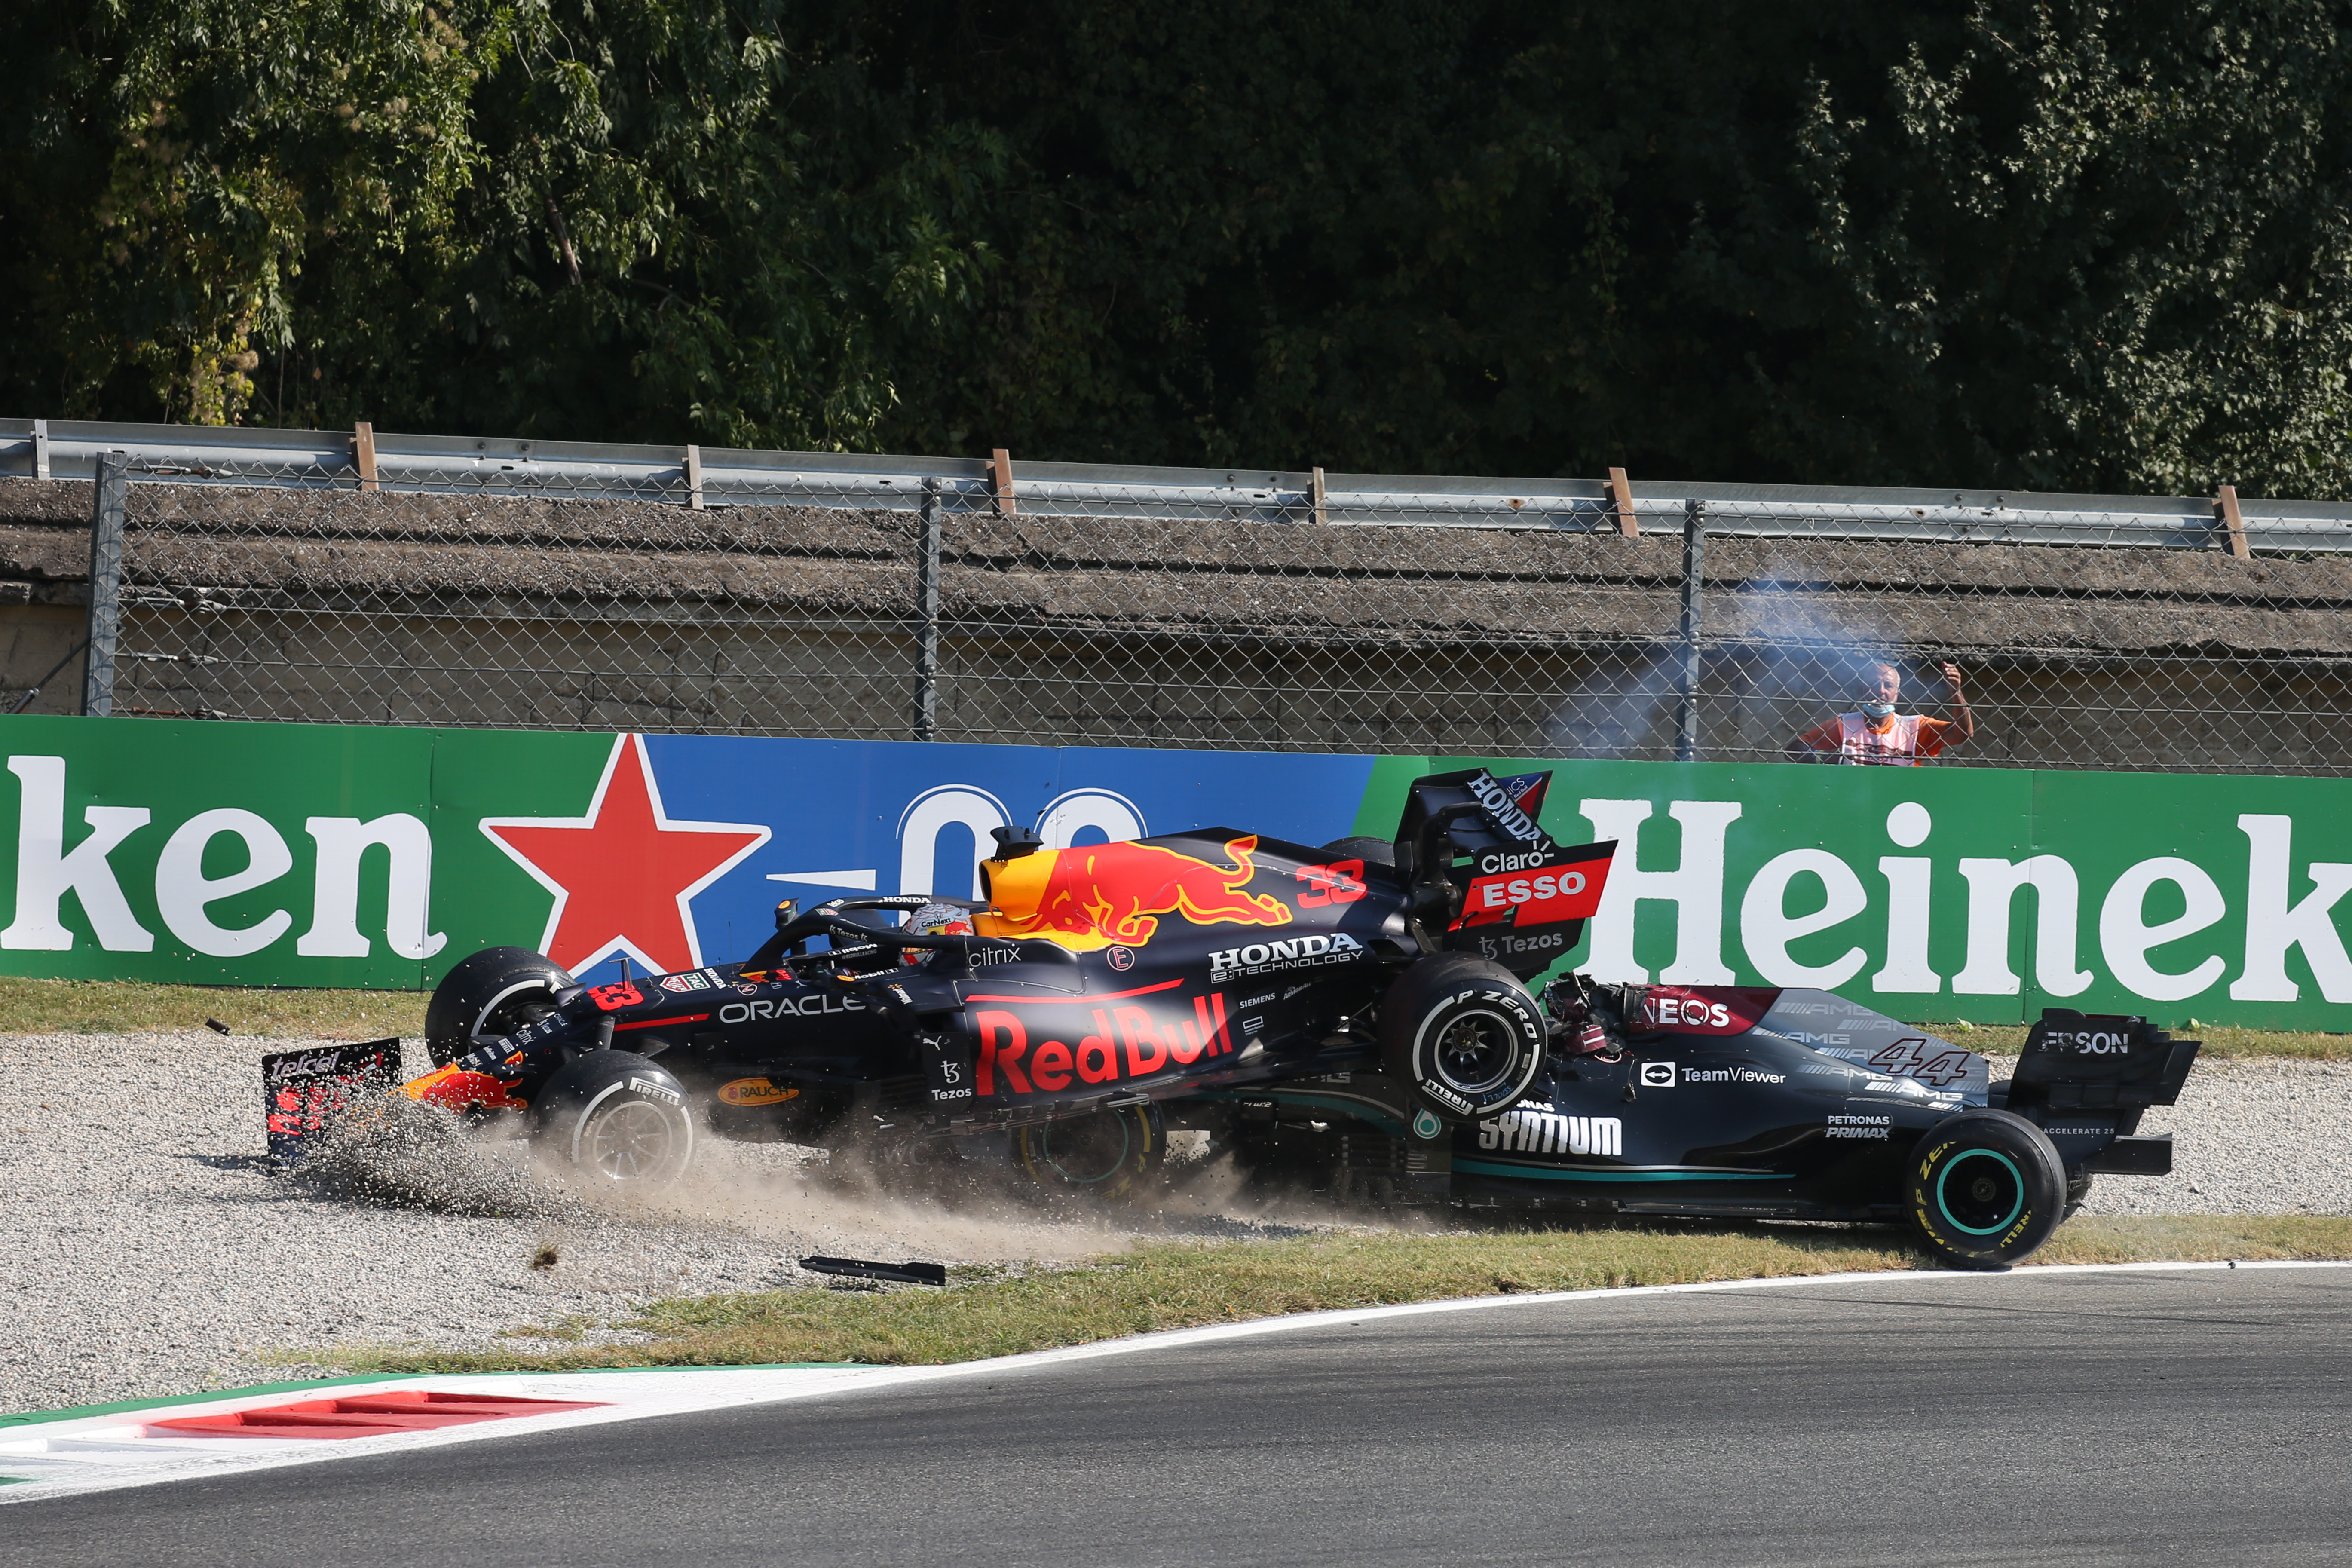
897, 599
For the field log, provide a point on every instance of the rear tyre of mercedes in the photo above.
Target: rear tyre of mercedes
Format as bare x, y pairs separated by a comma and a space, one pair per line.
495, 992
614, 1118
1464, 1033
1103, 1156
1985, 1189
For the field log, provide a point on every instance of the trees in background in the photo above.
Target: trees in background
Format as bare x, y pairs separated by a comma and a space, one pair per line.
2029, 245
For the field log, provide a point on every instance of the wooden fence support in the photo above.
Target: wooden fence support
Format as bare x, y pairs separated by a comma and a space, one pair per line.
1000, 482
364, 453
1315, 499
2232, 524
1620, 500
694, 477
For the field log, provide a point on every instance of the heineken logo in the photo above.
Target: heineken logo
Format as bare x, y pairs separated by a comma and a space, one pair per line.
187, 892
347, 855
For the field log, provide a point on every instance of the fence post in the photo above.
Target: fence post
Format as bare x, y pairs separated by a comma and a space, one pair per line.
1621, 503
694, 477
1694, 585
927, 605
364, 453
2231, 521
1000, 481
110, 500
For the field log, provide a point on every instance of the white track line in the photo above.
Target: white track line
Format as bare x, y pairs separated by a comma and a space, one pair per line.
106, 1453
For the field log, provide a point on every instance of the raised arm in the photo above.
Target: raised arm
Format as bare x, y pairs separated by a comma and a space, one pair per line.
1960, 714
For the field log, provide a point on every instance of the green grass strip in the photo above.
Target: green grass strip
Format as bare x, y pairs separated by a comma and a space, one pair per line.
1182, 1285
135, 1008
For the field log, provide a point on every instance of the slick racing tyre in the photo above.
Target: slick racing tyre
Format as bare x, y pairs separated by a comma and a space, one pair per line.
1107, 1156
1465, 1034
613, 1118
495, 992
1370, 852
1985, 1188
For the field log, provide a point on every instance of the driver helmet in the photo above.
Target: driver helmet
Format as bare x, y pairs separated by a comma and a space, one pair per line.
937, 918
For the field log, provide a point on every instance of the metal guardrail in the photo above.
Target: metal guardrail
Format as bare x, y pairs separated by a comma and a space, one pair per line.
714, 477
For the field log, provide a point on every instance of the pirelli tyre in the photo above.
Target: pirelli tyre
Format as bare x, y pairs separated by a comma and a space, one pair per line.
1985, 1189
1371, 851
1464, 1033
613, 1118
1105, 1156
495, 992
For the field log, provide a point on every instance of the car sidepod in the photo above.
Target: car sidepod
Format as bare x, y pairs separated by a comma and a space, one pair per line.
1728, 1101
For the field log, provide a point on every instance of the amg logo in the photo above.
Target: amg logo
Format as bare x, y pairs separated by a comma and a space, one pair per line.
1549, 1133
1296, 952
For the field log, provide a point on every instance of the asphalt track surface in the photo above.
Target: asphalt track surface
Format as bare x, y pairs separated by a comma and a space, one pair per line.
2135, 1418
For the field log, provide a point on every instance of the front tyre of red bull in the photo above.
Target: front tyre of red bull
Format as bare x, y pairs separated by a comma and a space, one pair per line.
1103, 1156
495, 991
1464, 1032
614, 1118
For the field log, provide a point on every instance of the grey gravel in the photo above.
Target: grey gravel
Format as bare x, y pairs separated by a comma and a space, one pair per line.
2250, 1135
149, 1247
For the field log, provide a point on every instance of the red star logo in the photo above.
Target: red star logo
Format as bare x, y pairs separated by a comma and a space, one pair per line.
623, 876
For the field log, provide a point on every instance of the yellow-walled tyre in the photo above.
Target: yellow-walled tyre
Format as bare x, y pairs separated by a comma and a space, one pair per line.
1106, 1156
1985, 1189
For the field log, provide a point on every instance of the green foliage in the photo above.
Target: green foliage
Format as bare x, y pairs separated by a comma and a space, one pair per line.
2047, 245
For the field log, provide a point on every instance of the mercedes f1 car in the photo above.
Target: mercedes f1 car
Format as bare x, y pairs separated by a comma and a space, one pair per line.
1359, 1013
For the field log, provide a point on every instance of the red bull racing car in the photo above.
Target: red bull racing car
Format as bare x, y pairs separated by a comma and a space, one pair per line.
1358, 1014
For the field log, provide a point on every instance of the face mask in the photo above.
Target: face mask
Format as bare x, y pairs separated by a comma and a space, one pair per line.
1878, 710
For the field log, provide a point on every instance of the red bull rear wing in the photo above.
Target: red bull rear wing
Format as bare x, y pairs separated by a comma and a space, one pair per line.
1485, 870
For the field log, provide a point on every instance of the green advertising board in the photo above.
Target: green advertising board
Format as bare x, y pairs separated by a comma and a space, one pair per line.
332, 855
1979, 893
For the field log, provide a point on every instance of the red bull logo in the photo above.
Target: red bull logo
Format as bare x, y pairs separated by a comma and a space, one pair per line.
1092, 896
1131, 1038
